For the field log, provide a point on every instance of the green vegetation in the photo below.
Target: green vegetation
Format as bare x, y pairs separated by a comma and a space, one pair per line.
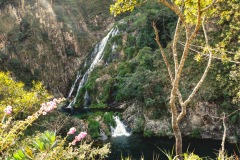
139, 126
139, 73
195, 133
25, 101
108, 119
94, 128
133, 68
191, 21
16, 142
147, 133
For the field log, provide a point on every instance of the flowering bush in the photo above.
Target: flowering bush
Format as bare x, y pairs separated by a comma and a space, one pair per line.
48, 146
15, 145
44, 145
12, 130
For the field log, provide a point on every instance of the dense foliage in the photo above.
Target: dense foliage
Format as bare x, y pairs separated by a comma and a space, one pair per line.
132, 69
136, 70
24, 102
14, 144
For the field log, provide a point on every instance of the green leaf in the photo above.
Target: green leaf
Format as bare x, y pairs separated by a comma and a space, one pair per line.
54, 144
16, 156
21, 153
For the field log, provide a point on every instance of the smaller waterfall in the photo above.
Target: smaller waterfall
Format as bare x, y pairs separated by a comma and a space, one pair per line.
120, 129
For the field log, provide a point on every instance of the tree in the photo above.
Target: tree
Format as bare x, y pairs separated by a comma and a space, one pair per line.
192, 16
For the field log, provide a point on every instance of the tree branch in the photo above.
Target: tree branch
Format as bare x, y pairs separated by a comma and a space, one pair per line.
166, 62
162, 52
183, 111
175, 9
174, 46
208, 7
180, 99
214, 57
186, 50
198, 22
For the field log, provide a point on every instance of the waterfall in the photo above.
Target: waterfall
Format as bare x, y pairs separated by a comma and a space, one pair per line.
74, 84
98, 53
120, 129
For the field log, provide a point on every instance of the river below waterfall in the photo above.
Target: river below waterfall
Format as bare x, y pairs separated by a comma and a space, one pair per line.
136, 146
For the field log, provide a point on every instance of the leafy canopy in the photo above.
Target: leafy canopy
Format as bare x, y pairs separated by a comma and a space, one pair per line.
190, 7
23, 101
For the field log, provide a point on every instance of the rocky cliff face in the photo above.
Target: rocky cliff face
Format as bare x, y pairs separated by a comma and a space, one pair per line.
49, 40
202, 121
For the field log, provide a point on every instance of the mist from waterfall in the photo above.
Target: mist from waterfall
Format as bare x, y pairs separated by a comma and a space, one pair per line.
120, 129
98, 53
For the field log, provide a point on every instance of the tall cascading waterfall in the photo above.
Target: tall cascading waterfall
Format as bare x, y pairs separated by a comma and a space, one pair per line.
74, 84
98, 53
120, 129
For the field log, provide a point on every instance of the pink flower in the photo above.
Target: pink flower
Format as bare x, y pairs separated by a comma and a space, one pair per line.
83, 134
8, 110
44, 113
55, 100
74, 142
49, 106
80, 136
72, 130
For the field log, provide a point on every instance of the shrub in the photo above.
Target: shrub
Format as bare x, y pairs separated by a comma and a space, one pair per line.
117, 39
148, 133
108, 119
124, 68
13, 130
45, 145
196, 133
93, 128
107, 52
98, 105
14, 94
129, 52
70, 51
139, 125
48, 146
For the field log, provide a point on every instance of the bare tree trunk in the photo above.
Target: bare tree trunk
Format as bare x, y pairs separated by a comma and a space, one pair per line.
222, 151
176, 131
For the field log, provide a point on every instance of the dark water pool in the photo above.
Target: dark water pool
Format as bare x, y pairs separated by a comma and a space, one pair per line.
136, 146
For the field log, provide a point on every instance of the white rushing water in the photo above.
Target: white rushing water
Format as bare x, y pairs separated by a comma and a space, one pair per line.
74, 84
98, 53
120, 129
